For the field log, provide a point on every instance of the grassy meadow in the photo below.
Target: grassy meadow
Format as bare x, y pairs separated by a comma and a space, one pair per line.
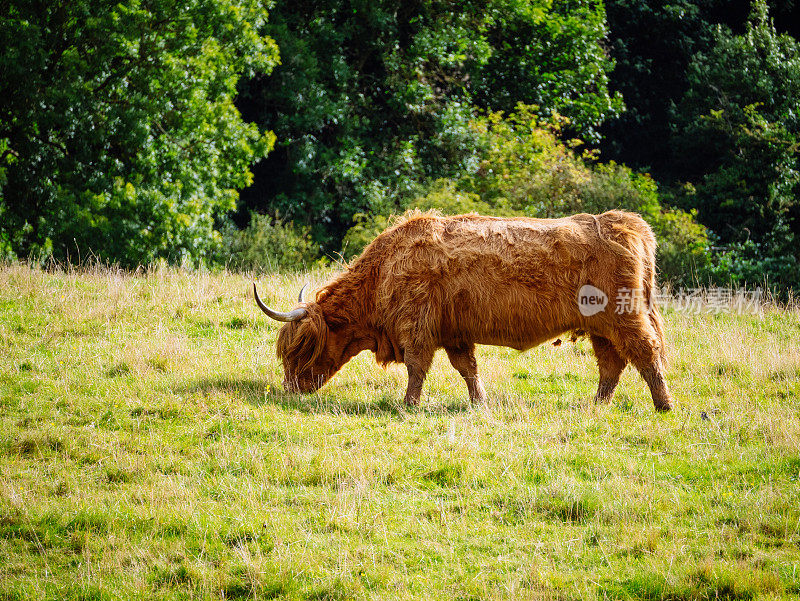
148, 451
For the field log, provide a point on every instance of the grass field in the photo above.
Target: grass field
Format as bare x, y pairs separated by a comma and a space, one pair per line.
147, 451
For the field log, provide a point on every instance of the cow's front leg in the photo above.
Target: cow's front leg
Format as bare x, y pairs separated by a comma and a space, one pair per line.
418, 363
463, 359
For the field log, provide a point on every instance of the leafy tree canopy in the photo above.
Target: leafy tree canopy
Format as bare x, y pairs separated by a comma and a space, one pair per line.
527, 169
652, 43
738, 138
372, 99
118, 130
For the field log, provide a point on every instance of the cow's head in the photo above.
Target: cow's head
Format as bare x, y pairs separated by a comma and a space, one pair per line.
311, 350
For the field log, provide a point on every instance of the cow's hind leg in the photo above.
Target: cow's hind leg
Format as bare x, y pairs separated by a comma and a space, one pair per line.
643, 349
610, 365
463, 359
418, 362
653, 374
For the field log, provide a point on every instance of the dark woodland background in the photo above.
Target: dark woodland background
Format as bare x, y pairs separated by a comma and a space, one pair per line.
273, 136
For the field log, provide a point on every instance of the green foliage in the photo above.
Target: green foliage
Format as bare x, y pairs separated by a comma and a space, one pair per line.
615, 186
363, 231
119, 136
374, 100
717, 110
551, 56
527, 170
750, 263
652, 43
442, 196
445, 197
268, 245
684, 256
533, 172
6, 249
684, 253
524, 166
738, 131
122, 136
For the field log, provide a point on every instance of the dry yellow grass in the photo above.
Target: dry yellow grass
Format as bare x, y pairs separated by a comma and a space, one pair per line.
147, 451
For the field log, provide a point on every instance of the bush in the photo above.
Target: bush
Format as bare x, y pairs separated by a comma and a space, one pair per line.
527, 170
684, 252
542, 176
442, 196
751, 264
364, 230
524, 166
269, 245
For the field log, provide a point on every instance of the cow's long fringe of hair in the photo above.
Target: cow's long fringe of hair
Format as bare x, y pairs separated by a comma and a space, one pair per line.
302, 342
346, 299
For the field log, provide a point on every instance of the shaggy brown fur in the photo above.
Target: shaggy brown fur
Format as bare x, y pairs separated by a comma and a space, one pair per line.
432, 282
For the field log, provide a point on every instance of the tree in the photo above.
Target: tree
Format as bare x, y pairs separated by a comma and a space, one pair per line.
553, 57
738, 135
652, 43
373, 99
527, 169
120, 133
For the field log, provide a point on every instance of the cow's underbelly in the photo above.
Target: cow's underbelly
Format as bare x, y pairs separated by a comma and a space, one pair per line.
520, 343
517, 334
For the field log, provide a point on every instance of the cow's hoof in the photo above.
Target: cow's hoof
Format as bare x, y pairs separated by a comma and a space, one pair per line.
663, 406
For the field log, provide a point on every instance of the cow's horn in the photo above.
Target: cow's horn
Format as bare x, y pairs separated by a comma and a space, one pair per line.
292, 315
300, 298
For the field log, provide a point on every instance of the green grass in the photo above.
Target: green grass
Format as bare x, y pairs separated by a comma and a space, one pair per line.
147, 451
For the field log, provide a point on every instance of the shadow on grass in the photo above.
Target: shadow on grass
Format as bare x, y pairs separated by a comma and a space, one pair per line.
259, 392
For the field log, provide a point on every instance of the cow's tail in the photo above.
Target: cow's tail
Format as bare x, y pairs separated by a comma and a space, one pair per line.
610, 242
652, 308
635, 241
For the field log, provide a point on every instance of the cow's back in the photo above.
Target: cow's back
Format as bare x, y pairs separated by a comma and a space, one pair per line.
474, 279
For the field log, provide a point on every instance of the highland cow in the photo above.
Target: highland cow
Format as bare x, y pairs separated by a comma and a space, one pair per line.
431, 282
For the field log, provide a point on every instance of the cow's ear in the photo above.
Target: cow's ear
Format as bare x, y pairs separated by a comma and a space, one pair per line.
335, 323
